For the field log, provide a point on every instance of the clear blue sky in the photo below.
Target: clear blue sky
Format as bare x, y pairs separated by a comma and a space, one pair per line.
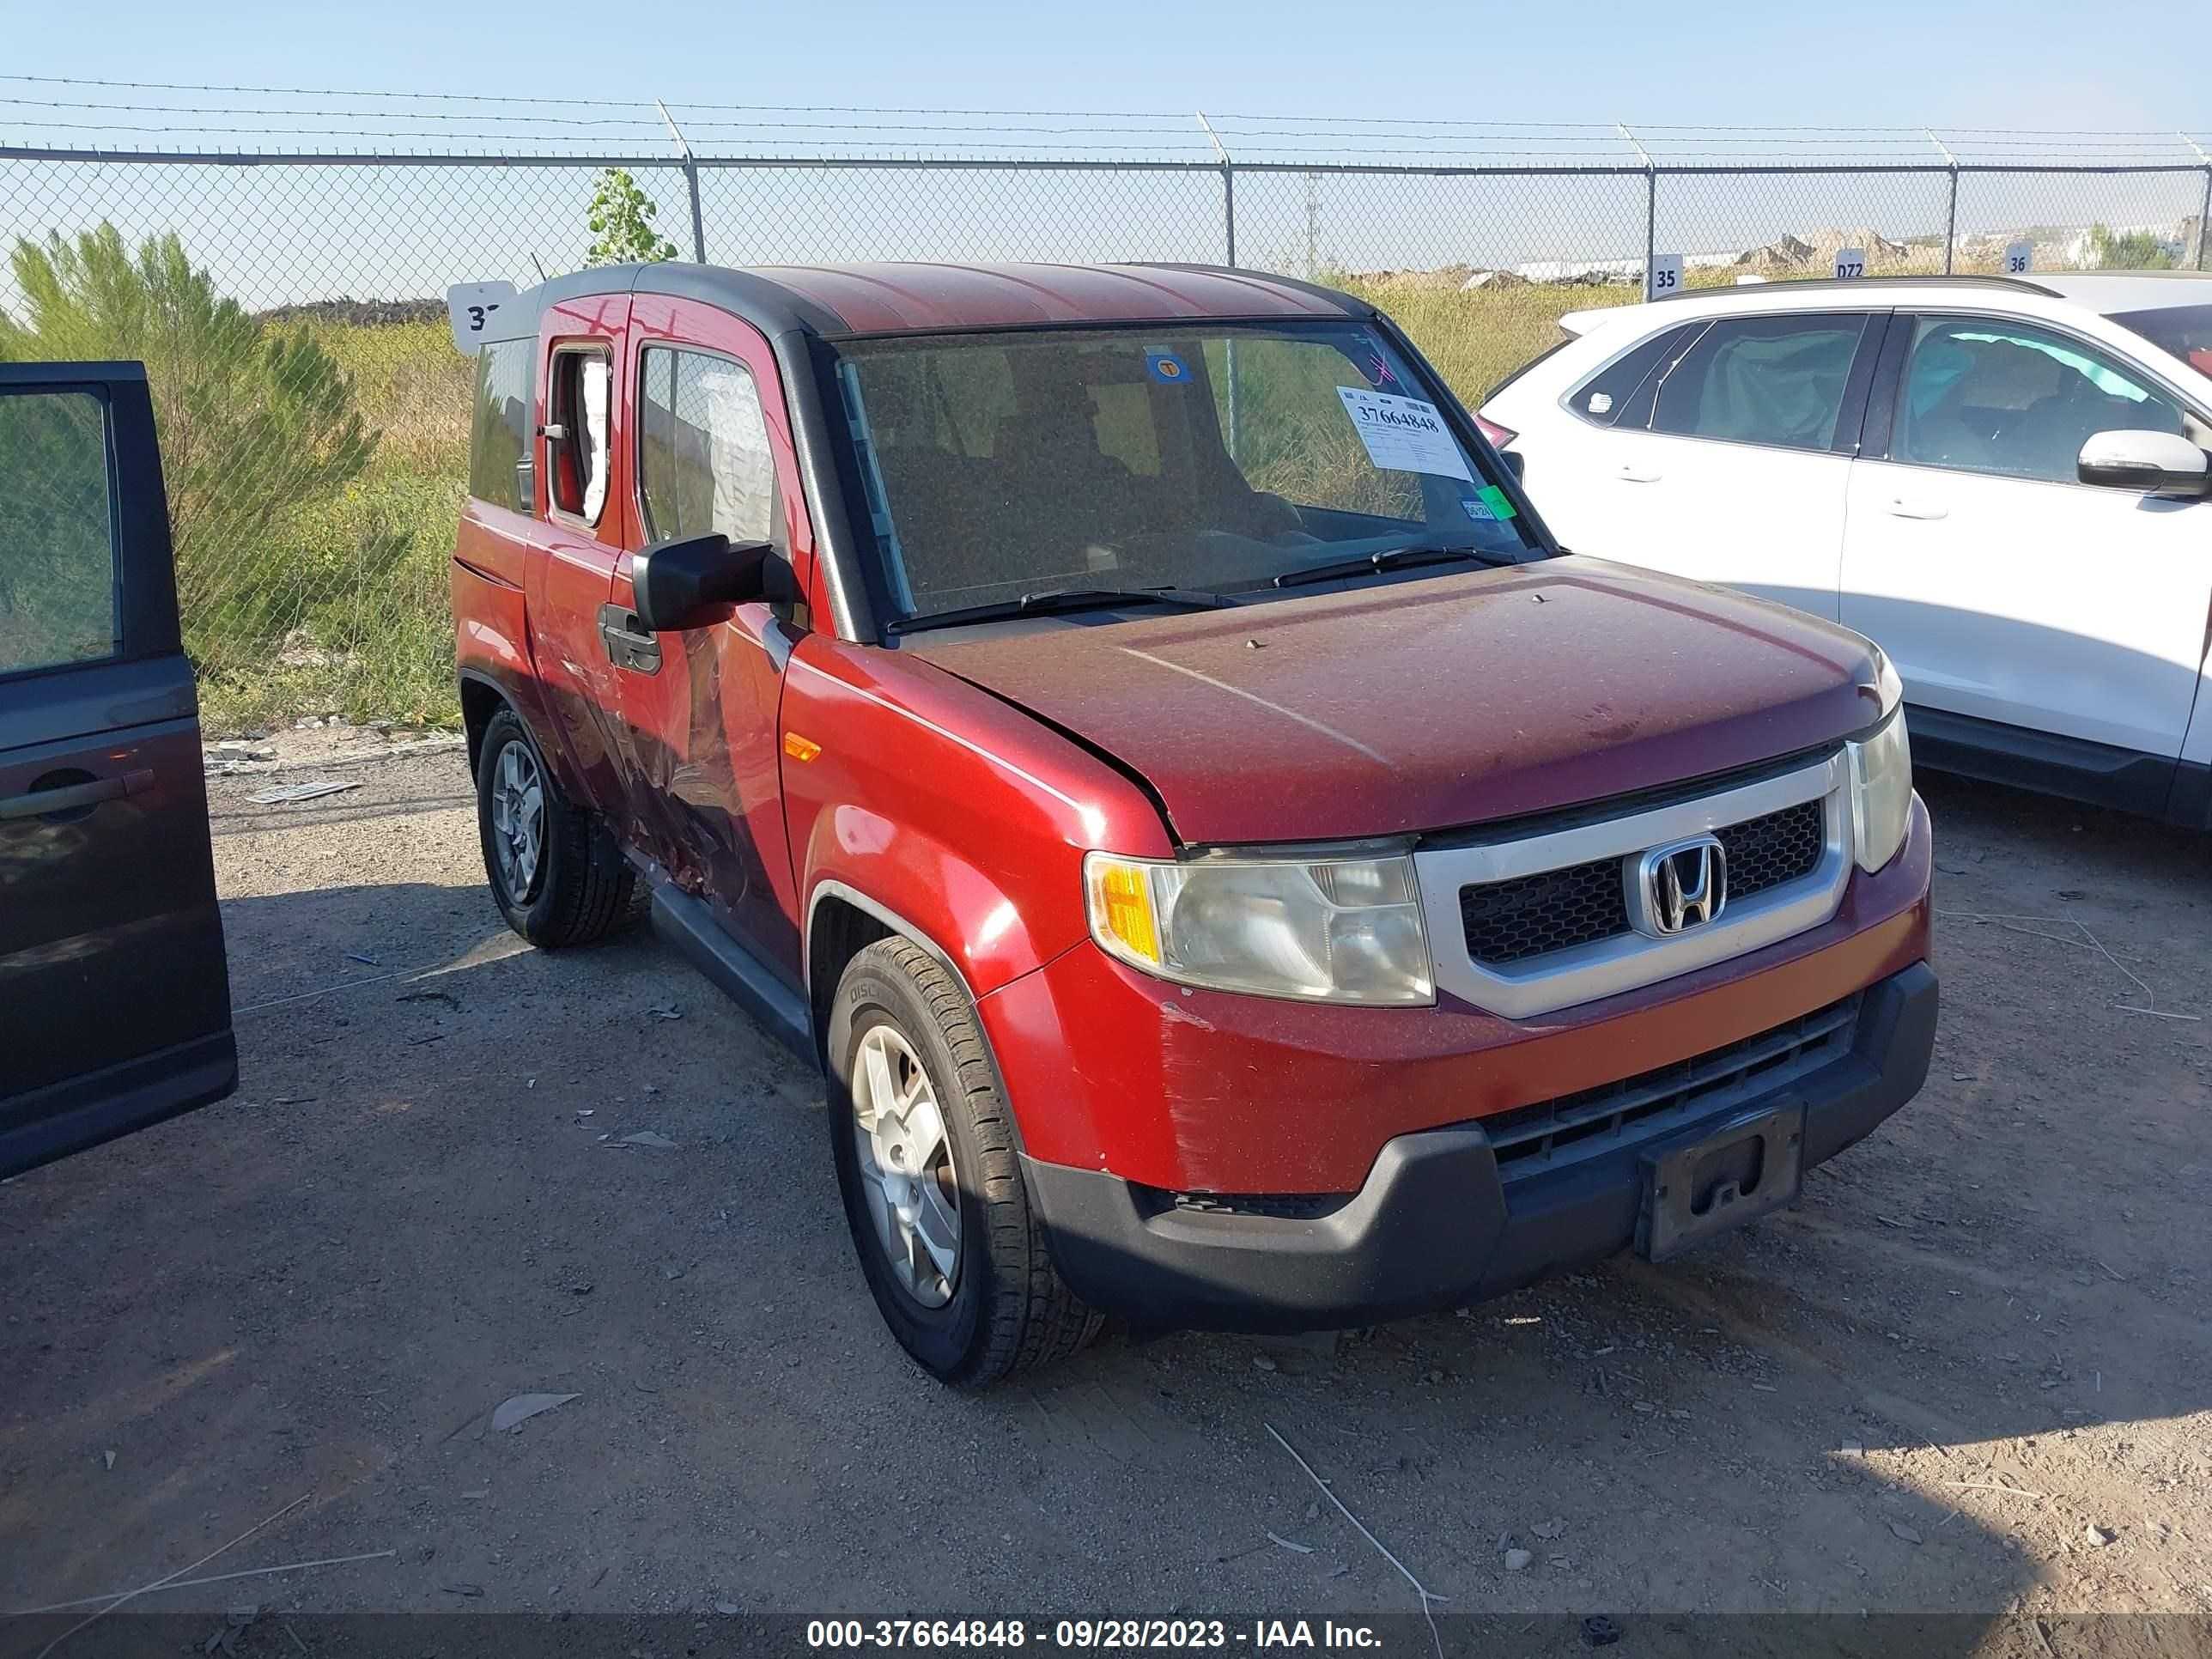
277, 234
1993, 62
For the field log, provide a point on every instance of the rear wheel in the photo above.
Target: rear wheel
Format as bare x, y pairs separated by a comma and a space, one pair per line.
924, 1143
556, 872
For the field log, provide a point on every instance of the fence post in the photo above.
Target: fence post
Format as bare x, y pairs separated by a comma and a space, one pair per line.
1650, 202
1228, 186
691, 182
1951, 219
2204, 209
2204, 223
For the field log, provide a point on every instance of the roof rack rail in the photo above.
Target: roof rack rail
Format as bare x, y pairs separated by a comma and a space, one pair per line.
2018, 285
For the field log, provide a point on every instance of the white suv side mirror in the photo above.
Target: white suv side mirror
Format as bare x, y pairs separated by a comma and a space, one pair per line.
2162, 463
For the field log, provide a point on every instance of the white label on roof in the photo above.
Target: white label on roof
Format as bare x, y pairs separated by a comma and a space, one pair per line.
1850, 262
1404, 435
2020, 258
1665, 276
471, 308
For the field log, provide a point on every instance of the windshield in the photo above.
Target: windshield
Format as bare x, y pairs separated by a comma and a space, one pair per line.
2184, 331
1214, 457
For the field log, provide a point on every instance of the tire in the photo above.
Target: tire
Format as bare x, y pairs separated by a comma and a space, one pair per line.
577, 885
1004, 1306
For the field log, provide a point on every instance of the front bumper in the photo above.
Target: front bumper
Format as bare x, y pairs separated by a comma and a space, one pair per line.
1436, 1223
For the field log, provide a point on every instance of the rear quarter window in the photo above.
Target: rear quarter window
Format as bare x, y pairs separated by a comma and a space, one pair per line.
499, 435
1607, 397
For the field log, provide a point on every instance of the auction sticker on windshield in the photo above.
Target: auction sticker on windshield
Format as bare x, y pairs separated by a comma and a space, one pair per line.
1404, 435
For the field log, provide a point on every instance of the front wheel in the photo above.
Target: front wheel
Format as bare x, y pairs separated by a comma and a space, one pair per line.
924, 1144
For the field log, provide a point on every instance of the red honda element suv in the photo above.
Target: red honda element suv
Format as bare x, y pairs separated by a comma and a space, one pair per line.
1129, 728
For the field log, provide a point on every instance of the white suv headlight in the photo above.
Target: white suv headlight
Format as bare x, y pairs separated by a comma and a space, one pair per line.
1882, 792
1329, 930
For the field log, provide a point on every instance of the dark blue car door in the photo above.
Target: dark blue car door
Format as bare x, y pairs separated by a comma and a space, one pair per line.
114, 995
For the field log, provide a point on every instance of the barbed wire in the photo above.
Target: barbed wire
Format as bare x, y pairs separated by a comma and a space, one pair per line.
240, 119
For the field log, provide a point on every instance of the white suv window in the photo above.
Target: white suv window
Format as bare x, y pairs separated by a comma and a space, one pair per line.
1777, 380
1993, 395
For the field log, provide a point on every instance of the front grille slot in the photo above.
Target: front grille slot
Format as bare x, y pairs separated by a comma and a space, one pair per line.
1766, 852
1533, 1139
1551, 910
1535, 915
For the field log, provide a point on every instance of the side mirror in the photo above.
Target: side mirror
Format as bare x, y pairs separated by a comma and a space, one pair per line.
1514, 459
689, 582
2162, 463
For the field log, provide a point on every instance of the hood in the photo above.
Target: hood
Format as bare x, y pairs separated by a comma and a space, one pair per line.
1430, 704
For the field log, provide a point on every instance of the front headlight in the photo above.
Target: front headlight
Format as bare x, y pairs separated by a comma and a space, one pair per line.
1882, 792
1331, 930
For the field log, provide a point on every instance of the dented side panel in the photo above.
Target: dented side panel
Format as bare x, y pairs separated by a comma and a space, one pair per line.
698, 743
491, 621
566, 579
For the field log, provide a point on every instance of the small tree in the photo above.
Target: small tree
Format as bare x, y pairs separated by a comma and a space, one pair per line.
254, 422
2132, 250
621, 219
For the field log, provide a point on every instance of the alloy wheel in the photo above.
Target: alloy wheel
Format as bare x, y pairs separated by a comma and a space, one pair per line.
518, 820
905, 1166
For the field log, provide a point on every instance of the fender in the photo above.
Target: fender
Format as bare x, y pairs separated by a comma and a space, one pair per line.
831, 888
927, 892
950, 815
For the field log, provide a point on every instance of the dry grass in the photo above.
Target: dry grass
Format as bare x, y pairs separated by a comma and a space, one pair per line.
362, 577
1475, 339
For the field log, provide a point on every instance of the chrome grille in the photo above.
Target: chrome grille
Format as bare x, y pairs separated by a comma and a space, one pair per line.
1509, 921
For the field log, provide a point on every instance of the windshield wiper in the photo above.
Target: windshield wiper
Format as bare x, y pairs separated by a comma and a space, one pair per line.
1390, 558
1055, 600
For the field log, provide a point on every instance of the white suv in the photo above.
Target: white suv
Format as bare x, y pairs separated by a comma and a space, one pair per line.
2002, 482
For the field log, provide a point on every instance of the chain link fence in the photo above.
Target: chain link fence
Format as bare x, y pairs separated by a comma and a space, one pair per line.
314, 414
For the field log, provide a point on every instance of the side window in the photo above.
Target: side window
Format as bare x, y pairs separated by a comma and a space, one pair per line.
704, 462
499, 471
1777, 380
58, 578
1988, 395
576, 416
1608, 396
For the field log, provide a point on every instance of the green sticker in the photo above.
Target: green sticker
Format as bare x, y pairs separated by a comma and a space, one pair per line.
1495, 499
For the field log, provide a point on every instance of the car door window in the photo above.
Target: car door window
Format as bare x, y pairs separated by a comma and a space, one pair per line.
576, 431
58, 578
704, 459
1993, 395
1775, 380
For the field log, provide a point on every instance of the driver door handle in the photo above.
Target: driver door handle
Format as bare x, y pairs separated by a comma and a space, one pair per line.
38, 802
1632, 472
1903, 507
629, 646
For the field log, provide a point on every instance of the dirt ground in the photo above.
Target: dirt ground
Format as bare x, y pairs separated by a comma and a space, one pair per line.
1973, 1371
